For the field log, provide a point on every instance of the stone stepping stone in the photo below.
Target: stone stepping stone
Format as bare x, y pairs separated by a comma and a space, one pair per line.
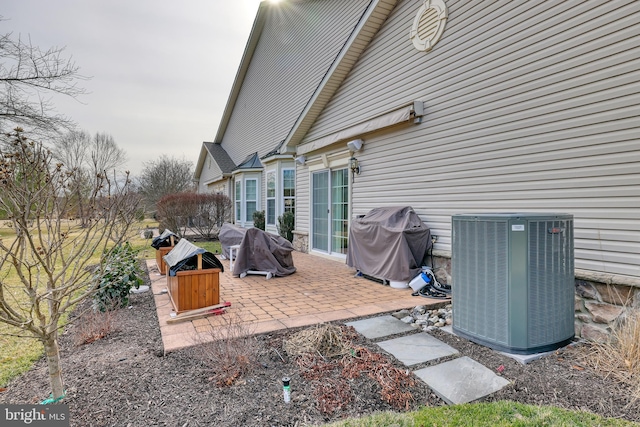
417, 348
378, 327
461, 380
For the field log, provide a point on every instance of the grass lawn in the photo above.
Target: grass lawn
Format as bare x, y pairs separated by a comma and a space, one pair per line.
213, 246
494, 414
19, 350
19, 353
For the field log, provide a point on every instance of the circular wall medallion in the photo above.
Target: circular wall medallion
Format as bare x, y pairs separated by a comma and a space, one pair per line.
429, 24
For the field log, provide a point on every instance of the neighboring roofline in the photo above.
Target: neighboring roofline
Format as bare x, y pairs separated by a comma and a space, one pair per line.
370, 22
218, 157
251, 162
274, 157
200, 163
237, 171
220, 178
247, 56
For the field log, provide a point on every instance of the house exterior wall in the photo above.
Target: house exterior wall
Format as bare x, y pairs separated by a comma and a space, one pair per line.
210, 172
529, 106
220, 187
300, 41
297, 46
303, 191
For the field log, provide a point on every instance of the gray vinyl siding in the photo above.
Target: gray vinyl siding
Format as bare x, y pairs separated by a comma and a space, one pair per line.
303, 199
300, 40
208, 174
530, 106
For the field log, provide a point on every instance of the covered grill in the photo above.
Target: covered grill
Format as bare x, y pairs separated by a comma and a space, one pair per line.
264, 253
389, 243
230, 235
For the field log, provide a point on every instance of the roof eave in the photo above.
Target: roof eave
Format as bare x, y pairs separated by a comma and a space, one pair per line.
373, 18
200, 162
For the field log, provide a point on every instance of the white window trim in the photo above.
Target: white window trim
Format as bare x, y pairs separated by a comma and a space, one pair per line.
245, 200
282, 197
274, 198
336, 165
243, 178
238, 201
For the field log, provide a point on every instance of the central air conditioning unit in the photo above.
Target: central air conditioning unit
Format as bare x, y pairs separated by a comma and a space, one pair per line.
513, 280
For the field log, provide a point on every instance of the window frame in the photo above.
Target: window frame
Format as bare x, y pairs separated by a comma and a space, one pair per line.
246, 201
271, 198
283, 198
238, 200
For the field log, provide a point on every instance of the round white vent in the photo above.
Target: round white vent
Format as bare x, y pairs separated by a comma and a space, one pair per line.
429, 24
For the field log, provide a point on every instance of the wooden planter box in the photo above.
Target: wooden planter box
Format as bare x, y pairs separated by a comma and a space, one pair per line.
194, 289
160, 252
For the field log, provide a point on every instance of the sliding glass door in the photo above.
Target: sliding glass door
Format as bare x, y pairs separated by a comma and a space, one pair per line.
330, 211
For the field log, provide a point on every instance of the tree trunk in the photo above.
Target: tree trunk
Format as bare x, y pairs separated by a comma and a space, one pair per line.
53, 361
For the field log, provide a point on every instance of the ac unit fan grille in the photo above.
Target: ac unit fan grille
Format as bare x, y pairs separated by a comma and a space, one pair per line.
550, 262
485, 292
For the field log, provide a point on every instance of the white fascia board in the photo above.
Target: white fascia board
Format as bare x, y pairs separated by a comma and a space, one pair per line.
200, 163
219, 178
276, 157
373, 18
239, 171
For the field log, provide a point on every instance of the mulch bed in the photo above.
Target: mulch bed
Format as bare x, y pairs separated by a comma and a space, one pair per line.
124, 379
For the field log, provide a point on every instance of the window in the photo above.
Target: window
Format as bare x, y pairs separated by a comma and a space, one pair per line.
251, 198
289, 190
247, 197
238, 201
271, 198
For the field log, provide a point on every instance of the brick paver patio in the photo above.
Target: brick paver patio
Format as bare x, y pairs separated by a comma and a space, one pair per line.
321, 290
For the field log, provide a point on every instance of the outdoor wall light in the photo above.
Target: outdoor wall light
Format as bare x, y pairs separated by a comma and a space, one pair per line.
301, 160
354, 165
355, 145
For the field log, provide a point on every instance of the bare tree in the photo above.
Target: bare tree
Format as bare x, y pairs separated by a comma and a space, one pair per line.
164, 176
203, 213
211, 211
29, 77
105, 154
45, 268
71, 151
175, 212
87, 157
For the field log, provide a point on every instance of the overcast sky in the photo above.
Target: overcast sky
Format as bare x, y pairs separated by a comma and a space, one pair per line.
160, 70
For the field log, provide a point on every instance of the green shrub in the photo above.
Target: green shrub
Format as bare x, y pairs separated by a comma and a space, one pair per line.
119, 273
258, 220
286, 225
